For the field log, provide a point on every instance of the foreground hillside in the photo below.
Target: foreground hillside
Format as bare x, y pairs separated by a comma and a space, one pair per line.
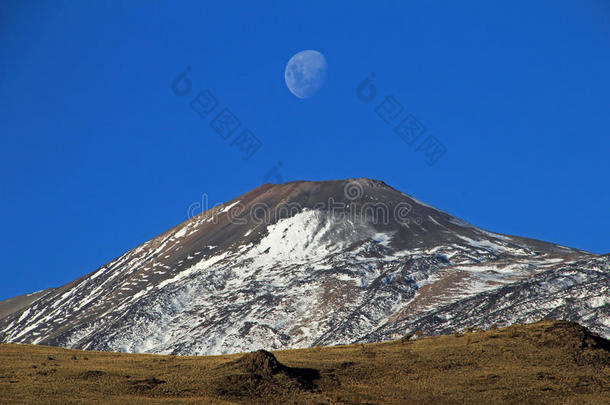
545, 362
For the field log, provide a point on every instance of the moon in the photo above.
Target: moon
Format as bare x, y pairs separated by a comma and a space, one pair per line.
305, 73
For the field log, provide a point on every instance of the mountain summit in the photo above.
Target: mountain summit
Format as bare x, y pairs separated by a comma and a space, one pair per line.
309, 263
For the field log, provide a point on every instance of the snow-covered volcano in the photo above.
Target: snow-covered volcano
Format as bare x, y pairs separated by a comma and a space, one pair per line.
308, 263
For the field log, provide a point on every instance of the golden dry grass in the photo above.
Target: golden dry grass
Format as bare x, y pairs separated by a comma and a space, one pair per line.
546, 362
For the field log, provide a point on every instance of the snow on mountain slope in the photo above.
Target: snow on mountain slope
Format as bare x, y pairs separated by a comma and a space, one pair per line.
577, 290
301, 264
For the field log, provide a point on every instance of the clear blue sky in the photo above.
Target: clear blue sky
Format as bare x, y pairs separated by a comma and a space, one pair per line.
98, 154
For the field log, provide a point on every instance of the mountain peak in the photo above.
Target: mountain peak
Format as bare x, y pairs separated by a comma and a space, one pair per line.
290, 265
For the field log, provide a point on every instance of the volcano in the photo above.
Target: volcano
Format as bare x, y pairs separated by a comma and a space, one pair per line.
312, 263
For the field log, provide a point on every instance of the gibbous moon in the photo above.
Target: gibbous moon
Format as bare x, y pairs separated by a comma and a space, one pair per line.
305, 73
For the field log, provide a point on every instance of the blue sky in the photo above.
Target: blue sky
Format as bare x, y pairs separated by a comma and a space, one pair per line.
98, 154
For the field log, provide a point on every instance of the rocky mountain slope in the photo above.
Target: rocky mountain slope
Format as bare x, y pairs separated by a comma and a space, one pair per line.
314, 263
